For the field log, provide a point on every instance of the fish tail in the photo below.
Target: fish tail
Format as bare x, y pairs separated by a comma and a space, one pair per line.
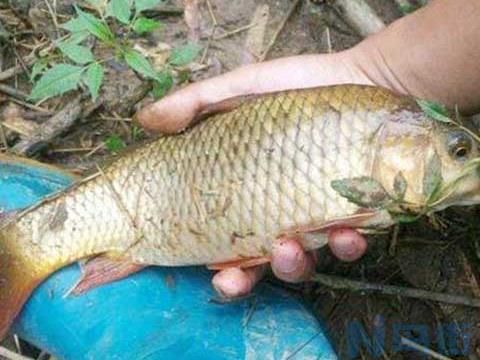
18, 278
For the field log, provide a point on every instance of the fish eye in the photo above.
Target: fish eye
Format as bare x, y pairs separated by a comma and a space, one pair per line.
459, 145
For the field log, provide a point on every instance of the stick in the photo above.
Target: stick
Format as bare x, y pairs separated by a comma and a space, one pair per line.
7, 74
18, 94
233, 32
423, 349
164, 10
51, 128
8, 354
337, 282
273, 40
360, 16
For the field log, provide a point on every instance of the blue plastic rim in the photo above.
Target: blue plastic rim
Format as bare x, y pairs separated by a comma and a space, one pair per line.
159, 313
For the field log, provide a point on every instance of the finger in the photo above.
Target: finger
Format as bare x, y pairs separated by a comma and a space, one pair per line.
235, 282
290, 262
176, 111
347, 244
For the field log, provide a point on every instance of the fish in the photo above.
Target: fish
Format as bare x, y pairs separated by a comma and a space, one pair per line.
295, 163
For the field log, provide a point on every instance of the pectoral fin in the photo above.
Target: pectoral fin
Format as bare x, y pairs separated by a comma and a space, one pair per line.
102, 270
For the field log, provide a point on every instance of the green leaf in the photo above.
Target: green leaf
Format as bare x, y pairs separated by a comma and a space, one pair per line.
400, 186
78, 37
57, 80
38, 67
163, 83
363, 191
137, 132
434, 110
74, 25
141, 5
95, 26
140, 63
121, 10
77, 53
432, 178
183, 55
94, 78
406, 9
114, 143
143, 25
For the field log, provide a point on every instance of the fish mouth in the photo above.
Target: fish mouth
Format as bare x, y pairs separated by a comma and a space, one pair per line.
471, 198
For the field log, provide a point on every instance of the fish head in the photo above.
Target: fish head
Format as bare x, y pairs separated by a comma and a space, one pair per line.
426, 163
458, 148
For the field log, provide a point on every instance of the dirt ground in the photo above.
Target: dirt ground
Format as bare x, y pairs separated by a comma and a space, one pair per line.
436, 255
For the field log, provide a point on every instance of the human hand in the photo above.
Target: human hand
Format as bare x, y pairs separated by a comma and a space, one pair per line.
175, 112
378, 60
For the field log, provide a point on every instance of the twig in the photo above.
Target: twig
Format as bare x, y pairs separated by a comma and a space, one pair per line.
423, 349
12, 355
212, 14
71, 150
3, 137
209, 43
393, 243
360, 16
7, 74
235, 31
212, 33
18, 94
273, 40
470, 275
113, 118
255, 39
164, 10
51, 128
20, 58
337, 282
95, 149
53, 16
329, 40
43, 111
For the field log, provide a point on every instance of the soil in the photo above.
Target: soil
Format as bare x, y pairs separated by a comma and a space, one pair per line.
440, 254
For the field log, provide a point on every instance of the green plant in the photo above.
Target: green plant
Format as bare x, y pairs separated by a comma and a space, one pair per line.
114, 143
74, 63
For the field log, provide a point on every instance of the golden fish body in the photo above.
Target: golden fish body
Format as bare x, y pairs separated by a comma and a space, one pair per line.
223, 190
226, 188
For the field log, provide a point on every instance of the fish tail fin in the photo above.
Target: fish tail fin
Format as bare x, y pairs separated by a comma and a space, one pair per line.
18, 278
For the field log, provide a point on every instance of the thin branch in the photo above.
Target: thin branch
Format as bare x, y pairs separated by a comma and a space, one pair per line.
51, 128
423, 349
17, 94
360, 16
337, 282
10, 355
275, 36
